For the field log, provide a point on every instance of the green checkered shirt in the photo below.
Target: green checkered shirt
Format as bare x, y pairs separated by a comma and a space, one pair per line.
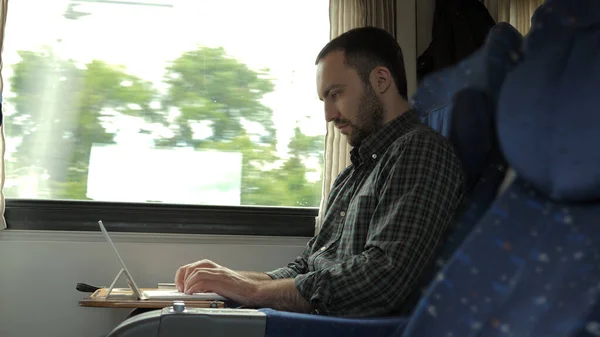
385, 216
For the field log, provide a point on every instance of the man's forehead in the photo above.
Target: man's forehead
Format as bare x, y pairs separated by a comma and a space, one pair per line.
331, 69
332, 73
333, 61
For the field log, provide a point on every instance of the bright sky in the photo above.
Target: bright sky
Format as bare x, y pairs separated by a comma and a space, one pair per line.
282, 35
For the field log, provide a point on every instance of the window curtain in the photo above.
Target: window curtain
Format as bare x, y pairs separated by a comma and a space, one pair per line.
343, 16
3, 10
516, 12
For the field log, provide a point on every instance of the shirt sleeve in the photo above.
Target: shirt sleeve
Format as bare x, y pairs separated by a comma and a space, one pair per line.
300, 264
296, 267
416, 204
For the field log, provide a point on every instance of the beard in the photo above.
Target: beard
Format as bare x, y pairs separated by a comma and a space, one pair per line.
370, 117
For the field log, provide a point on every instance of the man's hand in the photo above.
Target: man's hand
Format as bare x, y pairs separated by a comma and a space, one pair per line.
245, 288
207, 276
184, 271
180, 275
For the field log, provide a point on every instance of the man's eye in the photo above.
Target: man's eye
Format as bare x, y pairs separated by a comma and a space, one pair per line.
335, 95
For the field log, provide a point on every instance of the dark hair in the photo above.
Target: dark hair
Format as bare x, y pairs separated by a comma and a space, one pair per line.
365, 49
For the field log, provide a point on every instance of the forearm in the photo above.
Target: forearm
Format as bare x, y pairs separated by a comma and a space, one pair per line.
280, 295
256, 276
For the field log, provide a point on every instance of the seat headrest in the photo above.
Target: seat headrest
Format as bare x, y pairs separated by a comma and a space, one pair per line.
560, 14
485, 70
549, 108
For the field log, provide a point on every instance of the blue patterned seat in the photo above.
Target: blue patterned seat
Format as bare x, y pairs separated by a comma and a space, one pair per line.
460, 103
531, 266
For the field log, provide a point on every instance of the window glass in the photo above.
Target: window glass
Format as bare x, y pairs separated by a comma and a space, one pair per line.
172, 101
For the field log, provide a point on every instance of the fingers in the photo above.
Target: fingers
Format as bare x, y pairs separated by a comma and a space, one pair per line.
184, 272
205, 264
201, 280
202, 264
180, 277
196, 288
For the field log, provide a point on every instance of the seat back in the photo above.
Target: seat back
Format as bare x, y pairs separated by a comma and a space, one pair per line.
460, 103
531, 266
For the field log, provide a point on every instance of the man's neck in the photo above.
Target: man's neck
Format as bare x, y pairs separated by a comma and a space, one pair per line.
394, 108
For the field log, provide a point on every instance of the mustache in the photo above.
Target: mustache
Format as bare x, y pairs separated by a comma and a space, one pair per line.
339, 121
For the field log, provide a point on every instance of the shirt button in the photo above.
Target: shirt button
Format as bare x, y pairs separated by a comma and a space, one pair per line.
323, 248
374, 156
342, 213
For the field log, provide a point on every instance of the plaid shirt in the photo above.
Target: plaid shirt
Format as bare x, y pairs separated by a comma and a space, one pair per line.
385, 216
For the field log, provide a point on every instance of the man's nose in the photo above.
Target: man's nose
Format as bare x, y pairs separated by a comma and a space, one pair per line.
331, 112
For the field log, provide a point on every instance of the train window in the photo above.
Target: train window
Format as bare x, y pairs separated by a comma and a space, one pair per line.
164, 101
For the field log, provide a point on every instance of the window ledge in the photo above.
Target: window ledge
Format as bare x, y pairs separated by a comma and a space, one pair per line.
162, 238
66, 215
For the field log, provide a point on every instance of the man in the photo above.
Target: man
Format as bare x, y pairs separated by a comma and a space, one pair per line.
386, 212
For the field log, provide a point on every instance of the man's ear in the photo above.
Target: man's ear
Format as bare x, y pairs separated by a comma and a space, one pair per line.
381, 79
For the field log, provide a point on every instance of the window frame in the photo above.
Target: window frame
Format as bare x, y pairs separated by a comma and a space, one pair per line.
78, 215
169, 218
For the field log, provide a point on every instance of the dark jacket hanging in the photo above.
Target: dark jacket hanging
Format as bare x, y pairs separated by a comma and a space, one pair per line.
459, 28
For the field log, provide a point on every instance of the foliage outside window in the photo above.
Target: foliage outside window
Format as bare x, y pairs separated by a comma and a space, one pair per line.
172, 101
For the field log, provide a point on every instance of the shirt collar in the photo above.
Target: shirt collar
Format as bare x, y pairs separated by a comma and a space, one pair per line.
377, 143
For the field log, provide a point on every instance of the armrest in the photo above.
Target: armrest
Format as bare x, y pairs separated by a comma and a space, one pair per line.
179, 321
